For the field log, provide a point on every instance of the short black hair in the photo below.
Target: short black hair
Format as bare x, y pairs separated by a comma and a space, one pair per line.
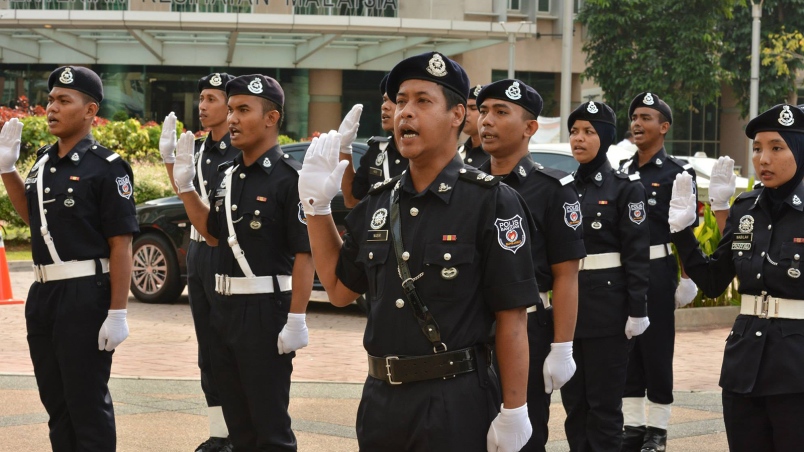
453, 99
268, 105
528, 116
662, 118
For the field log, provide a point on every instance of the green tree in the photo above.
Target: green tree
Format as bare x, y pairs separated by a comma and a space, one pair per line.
785, 48
668, 47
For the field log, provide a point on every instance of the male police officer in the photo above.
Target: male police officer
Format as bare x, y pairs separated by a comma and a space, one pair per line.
209, 153
265, 254
507, 120
381, 162
442, 250
78, 200
471, 151
650, 364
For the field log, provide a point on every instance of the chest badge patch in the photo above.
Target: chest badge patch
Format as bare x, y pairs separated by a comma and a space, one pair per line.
378, 219
302, 216
793, 273
636, 212
510, 233
572, 214
449, 273
69, 202
124, 188
746, 224
380, 158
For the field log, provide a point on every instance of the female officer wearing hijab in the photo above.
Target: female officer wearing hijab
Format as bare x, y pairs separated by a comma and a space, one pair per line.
762, 244
612, 283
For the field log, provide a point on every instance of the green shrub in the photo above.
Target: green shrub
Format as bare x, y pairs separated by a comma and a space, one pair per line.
150, 182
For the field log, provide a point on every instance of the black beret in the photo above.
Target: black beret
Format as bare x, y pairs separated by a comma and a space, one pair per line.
514, 91
216, 80
430, 66
77, 78
592, 111
781, 118
474, 91
384, 84
651, 100
256, 85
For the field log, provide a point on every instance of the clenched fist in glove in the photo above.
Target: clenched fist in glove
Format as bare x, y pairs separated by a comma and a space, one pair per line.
348, 128
510, 430
293, 335
636, 326
685, 292
167, 141
10, 137
184, 167
722, 183
321, 174
559, 366
682, 204
113, 331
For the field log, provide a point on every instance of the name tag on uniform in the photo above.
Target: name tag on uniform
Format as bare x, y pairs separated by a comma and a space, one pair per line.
375, 171
378, 236
744, 237
220, 193
742, 246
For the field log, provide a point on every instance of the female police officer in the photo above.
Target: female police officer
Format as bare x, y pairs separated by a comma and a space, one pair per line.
763, 242
612, 282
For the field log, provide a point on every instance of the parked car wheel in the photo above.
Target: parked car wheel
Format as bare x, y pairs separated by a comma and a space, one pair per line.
155, 276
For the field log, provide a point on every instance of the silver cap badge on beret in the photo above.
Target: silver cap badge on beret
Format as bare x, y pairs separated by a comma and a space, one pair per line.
648, 99
591, 108
477, 90
66, 76
436, 66
215, 80
255, 86
513, 92
786, 116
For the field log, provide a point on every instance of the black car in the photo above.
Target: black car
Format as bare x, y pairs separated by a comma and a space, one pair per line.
160, 249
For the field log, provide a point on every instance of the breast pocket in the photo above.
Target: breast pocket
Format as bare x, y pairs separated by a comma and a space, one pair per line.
742, 258
374, 258
74, 199
448, 270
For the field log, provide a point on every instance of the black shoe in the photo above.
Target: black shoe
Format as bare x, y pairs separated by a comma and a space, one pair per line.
214, 444
655, 440
633, 437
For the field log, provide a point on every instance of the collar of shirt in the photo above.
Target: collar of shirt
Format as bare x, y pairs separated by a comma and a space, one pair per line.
443, 184
794, 199
221, 146
75, 155
266, 161
597, 177
658, 159
521, 171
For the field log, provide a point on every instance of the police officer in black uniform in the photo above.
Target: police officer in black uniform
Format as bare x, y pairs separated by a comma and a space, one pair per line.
442, 251
650, 364
613, 283
255, 213
210, 152
763, 244
507, 120
381, 162
78, 200
471, 151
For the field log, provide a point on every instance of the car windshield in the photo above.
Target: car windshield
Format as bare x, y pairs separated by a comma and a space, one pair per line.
559, 161
298, 150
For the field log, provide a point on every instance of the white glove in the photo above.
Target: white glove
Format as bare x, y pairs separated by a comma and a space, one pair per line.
685, 292
293, 335
10, 138
510, 430
636, 326
321, 173
682, 204
559, 366
167, 141
184, 167
722, 183
348, 128
113, 331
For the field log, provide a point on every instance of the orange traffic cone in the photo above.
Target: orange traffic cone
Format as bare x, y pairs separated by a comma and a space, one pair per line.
5, 279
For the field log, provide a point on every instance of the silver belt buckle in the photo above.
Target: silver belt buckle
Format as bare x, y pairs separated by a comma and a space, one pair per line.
763, 313
39, 273
388, 360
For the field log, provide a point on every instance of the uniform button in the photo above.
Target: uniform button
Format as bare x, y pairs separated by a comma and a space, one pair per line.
47, 189
209, 161
94, 147
740, 253
256, 212
762, 254
405, 256
653, 194
371, 255
796, 257
468, 160
599, 214
731, 333
242, 175
759, 275
396, 161
52, 170
286, 156
462, 171
758, 333
45, 210
769, 227
580, 195
206, 182
414, 211
217, 209
447, 256
69, 190
608, 282
234, 206
400, 303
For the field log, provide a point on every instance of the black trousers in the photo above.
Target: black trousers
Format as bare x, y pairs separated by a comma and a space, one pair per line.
63, 319
252, 377
650, 365
540, 335
201, 288
764, 423
592, 397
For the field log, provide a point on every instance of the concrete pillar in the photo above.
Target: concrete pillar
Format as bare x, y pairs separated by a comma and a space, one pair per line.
326, 89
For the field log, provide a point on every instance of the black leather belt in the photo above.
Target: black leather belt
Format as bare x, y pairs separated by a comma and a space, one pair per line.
406, 369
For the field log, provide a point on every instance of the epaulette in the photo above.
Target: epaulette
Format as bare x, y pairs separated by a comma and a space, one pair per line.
291, 162
478, 177
43, 149
685, 165
747, 195
384, 185
378, 139
103, 153
225, 165
623, 175
561, 176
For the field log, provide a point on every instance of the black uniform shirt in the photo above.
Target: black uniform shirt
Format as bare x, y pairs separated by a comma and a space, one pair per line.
762, 356
549, 194
371, 165
614, 221
657, 177
212, 155
469, 238
476, 157
267, 215
88, 197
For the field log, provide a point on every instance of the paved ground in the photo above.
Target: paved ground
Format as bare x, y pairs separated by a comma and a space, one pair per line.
160, 406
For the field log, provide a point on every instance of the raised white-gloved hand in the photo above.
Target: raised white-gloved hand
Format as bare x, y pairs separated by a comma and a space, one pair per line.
682, 204
113, 331
510, 430
685, 292
10, 138
184, 167
167, 141
559, 366
321, 174
348, 128
722, 183
293, 335
636, 326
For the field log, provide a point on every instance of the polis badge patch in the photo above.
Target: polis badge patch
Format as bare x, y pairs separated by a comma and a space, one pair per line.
572, 214
302, 216
510, 233
378, 219
636, 212
124, 188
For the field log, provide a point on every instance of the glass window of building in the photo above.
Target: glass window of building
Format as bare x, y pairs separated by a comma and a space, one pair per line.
695, 130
